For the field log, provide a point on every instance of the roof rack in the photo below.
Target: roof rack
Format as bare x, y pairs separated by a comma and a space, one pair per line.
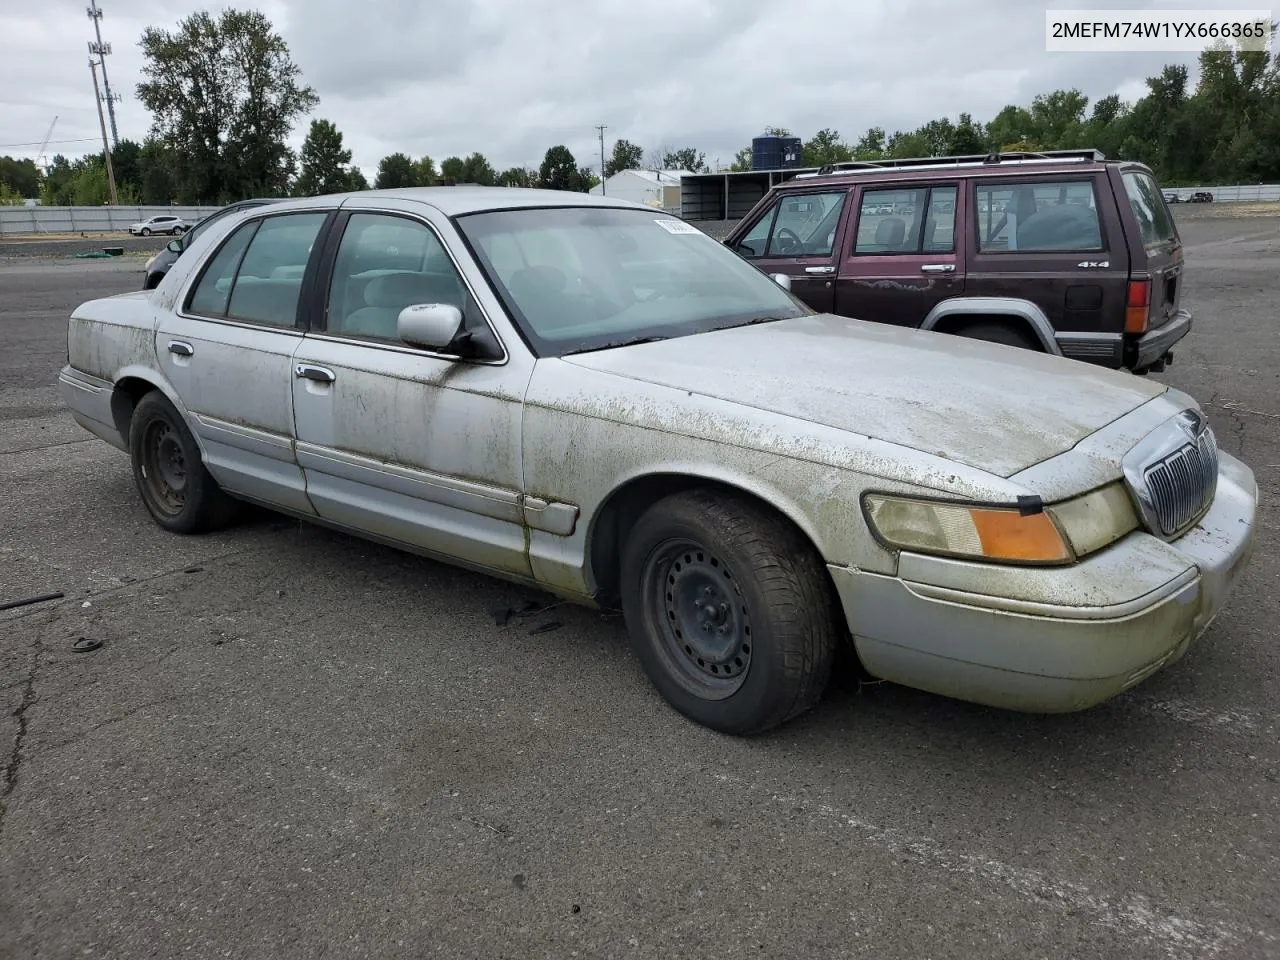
969, 160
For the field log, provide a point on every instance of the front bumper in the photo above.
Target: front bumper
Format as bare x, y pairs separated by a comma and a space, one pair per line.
1053, 640
1154, 344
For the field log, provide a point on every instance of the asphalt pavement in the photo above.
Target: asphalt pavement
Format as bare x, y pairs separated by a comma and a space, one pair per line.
292, 743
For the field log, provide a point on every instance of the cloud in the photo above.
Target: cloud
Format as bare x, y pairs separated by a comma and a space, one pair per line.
511, 78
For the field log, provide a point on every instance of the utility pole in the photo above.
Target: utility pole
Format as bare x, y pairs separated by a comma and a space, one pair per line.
601, 128
101, 50
106, 150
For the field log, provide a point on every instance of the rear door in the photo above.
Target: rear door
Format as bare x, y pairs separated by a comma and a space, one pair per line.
901, 259
797, 236
1153, 228
1055, 240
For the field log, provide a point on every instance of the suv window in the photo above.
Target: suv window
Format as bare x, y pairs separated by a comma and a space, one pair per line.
1038, 217
800, 225
263, 284
907, 220
386, 263
1148, 209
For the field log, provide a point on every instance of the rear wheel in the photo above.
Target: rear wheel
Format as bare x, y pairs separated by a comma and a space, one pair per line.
729, 611
1006, 333
176, 488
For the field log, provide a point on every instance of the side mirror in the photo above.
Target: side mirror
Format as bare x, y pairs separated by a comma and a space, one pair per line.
782, 280
432, 325
174, 245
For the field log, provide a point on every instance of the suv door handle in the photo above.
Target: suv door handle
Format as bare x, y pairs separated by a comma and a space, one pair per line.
180, 349
938, 268
319, 374
824, 271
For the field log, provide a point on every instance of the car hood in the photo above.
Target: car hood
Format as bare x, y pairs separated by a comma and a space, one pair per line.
992, 407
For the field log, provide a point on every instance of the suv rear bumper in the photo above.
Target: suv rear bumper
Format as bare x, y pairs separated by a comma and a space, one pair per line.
1141, 352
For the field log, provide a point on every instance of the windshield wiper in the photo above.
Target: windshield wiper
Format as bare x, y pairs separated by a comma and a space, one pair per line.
615, 343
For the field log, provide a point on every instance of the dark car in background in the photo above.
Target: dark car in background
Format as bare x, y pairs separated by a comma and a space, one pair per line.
1061, 252
158, 266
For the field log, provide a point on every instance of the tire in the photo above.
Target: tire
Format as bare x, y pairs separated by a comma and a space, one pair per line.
1006, 333
755, 592
176, 489
145, 231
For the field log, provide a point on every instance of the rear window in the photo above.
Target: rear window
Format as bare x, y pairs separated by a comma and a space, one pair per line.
1149, 209
1038, 217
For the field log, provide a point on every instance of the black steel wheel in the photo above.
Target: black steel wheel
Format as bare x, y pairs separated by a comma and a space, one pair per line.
730, 610
177, 490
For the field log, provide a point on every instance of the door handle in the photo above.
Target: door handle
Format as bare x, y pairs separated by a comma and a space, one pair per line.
822, 271
938, 268
318, 374
180, 349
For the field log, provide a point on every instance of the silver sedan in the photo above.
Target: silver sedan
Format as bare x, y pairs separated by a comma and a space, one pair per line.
598, 399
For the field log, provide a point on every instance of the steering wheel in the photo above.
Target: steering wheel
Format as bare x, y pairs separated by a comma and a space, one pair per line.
792, 239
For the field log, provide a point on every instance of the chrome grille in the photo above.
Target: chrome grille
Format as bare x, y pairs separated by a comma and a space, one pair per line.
1182, 484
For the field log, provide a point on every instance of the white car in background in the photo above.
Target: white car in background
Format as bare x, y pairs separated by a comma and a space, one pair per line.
591, 397
165, 223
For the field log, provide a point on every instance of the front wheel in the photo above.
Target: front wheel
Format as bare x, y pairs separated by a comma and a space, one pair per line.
176, 488
729, 611
145, 231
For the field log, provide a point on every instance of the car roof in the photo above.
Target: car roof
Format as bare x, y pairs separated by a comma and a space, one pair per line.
455, 201
945, 170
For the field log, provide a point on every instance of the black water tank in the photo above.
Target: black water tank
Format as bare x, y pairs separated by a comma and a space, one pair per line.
776, 153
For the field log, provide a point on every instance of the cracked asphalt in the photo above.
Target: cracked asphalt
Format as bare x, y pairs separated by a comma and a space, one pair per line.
296, 744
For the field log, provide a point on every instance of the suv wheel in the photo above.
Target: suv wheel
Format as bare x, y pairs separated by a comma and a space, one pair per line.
729, 611
145, 231
996, 332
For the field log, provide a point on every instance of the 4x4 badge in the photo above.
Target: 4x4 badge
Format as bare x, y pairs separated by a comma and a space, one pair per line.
1094, 264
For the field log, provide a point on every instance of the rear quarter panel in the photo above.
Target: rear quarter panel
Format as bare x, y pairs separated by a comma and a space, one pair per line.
107, 336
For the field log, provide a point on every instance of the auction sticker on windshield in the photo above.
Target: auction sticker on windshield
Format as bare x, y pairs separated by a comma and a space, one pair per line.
676, 226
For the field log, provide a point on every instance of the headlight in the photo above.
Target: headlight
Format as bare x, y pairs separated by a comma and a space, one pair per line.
1052, 535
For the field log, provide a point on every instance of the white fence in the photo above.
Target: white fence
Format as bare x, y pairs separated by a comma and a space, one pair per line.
1251, 193
18, 221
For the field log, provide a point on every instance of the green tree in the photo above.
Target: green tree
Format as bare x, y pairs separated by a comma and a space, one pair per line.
518, 177
1011, 126
686, 158
22, 177
224, 95
396, 171
1057, 119
741, 160
426, 172
626, 156
906, 146
871, 146
324, 162
559, 171
356, 179
158, 185
453, 169
826, 147
967, 138
476, 169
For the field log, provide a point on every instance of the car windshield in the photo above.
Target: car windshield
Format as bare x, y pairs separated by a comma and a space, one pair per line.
589, 278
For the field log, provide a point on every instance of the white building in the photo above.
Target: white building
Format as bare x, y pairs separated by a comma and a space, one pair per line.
656, 188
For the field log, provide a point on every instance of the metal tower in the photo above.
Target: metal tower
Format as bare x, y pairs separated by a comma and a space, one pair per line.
101, 50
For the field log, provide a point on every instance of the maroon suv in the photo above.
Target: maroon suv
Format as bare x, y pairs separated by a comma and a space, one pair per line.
1064, 252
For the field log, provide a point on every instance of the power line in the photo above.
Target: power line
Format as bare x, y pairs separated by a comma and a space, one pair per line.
37, 143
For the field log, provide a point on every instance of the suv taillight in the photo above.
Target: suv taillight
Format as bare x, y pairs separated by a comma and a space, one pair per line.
1138, 307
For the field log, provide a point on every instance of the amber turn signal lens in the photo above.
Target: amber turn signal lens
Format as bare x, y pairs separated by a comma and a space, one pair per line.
1137, 309
1007, 535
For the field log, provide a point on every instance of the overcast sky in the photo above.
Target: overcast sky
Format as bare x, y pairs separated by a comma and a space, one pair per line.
512, 77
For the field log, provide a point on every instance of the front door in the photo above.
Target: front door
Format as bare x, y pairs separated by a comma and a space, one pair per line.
227, 349
902, 260
415, 447
797, 236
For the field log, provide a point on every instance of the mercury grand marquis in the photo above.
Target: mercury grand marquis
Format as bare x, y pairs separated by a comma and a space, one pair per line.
597, 399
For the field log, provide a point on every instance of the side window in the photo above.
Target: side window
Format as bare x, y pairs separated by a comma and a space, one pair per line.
269, 281
907, 220
1038, 217
1149, 209
384, 264
214, 289
806, 225
756, 241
